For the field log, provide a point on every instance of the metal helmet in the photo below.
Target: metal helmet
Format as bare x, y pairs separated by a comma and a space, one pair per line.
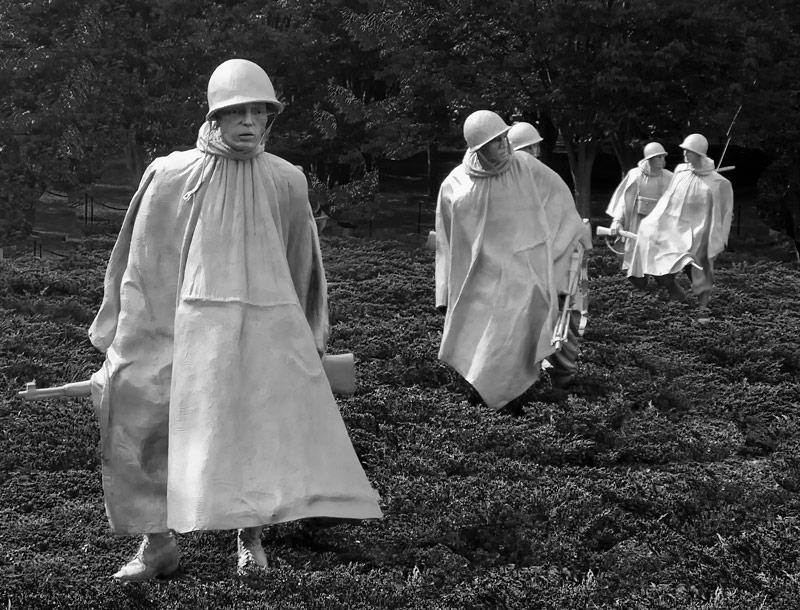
481, 127
239, 81
523, 134
654, 149
696, 143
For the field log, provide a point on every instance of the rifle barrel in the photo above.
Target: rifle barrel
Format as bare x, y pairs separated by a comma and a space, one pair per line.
80, 388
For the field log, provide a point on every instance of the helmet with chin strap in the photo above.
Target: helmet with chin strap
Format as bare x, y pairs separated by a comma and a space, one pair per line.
482, 127
654, 149
239, 81
523, 134
696, 143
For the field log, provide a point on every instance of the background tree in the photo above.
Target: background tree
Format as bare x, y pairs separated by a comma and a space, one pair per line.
597, 72
771, 113
83, 80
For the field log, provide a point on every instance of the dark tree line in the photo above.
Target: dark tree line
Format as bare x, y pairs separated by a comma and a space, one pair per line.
81, 80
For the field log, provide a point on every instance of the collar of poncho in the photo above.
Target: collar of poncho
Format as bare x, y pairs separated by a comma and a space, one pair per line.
210, 141
644, 166
214, 147
705, 169
476, 164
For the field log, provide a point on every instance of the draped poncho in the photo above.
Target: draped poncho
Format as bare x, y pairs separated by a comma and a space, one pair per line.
634, 198
494, 273
214, 409
566, 225
690, 223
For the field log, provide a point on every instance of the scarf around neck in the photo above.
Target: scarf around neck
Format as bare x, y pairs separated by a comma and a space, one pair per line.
644, 166
210, 141
478, 166
214, 147
707, 167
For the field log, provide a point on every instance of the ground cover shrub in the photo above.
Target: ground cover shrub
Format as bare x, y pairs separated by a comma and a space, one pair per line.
666, 477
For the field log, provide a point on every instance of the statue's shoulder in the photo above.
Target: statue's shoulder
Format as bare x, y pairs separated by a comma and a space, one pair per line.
176, 162
285, 171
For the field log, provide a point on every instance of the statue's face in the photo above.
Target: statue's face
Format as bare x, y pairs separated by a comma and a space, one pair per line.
497, 150
692, 157
243, 126
657, 163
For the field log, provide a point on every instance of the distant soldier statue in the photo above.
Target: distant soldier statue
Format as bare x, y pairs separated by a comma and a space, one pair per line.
688, 227
495, 279
571, 237
636, 196
524, 137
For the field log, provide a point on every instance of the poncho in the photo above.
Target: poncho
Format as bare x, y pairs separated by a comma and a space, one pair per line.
566, 225
214, 410
633, 199
494, 273
690, 223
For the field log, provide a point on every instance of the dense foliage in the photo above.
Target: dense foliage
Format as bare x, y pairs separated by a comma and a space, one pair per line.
667, 477
81, 80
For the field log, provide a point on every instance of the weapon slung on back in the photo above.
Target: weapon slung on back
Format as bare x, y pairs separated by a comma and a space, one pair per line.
561, 331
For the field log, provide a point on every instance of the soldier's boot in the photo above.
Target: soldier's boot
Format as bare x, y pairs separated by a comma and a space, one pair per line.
676, 292
251, 553
640, 283
158, 555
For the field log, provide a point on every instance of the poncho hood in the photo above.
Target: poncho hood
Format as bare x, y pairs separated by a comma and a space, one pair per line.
706, 167
478, 166
210, 141
647, 170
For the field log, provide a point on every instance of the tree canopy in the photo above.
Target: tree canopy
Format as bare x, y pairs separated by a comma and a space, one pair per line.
364, 79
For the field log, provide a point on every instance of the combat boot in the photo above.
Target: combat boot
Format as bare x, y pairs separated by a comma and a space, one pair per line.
158, 555
676, 292
251, 553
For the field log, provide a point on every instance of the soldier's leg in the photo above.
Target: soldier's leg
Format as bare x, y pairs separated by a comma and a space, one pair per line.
640, 283
703, 282
674, 290
564, 362
250, 553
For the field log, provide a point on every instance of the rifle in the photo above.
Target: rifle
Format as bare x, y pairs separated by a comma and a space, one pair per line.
339, 369
728, 135
605, 231
79, 388
561, 331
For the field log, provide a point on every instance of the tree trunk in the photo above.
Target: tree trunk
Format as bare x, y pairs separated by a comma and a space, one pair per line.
134, 158
581, 156
433, 171
548, 131
790, 203
621, 138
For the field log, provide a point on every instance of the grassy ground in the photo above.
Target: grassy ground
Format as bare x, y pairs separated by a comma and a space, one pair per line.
667, 477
